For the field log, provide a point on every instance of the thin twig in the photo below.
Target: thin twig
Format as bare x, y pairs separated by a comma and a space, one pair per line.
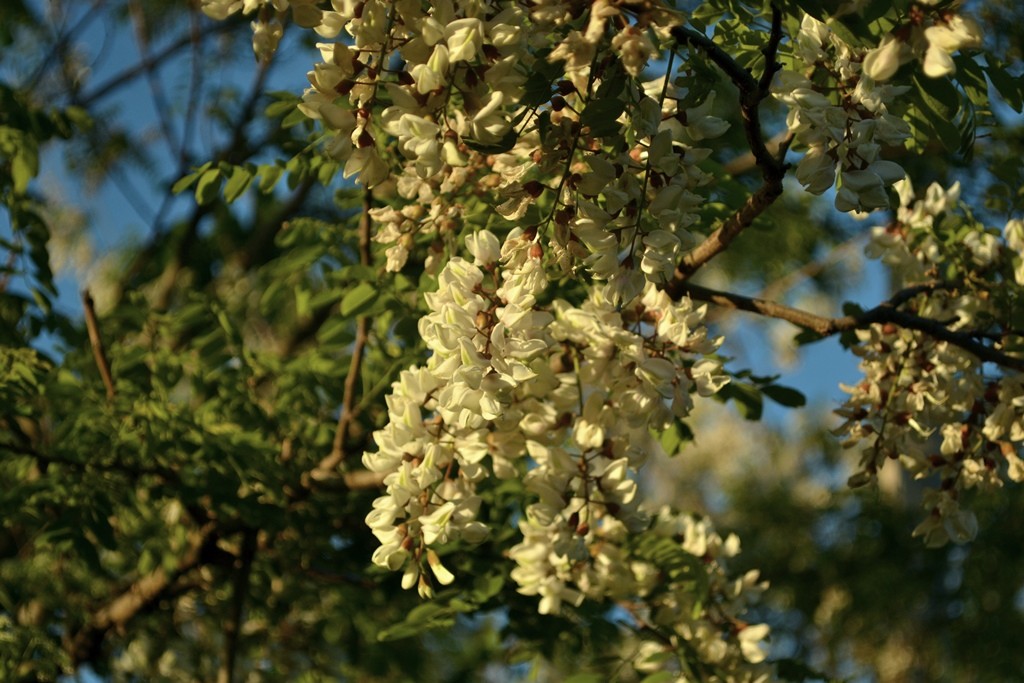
240, 590
126, 76
776, 288
348, 401
142, 595
886, 312
773, 170
58, 50
194, 88
160, 103
98, 352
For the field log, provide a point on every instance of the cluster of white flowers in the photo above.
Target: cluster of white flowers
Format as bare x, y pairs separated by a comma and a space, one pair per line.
618, 376
444, 81
731, 648
268, 29
576, 389
622, 215
928, 403
567, 398
445, 109
846, 132
932, 34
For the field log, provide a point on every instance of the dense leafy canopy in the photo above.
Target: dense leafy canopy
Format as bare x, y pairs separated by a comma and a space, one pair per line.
464, 317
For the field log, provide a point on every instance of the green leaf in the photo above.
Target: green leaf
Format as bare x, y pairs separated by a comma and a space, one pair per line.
293, 119
422, 617
184, 183
785, 396
269, 175
285, 104
337, 331
939, 103
585, 678
507, 142
971, 77
746, 397
537, 90
601, 116
208, 186
358, 299
1009, 87
660, 677
238, 183
24, 166
677, 433
486, 587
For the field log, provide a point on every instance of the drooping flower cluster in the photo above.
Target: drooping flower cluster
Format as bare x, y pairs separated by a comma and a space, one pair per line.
926, 402
576, 390
538, 119
593, 430
484, 338
932, 35
845, 132
730, 647
598, 224
612, 161
567, 398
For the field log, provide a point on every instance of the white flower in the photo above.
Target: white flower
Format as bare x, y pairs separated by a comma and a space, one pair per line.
484, 246
984, 247
945, 39
750, 638
465, 39
882, 62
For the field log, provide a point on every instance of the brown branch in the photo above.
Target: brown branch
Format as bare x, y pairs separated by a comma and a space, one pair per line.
142, 595
746, 162
234, 152
126, 76
96, 341
722, 59
719, 240
886, 312
240, 590
262, 237
348, 401
363, 479
752, 91
160, 103
811, 269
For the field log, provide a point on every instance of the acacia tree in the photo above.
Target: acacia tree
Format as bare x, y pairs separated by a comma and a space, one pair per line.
452, 376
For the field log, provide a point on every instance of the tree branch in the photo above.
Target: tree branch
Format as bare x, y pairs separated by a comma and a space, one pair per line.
98, 352
348, 403
773, 170
84, 645
886, 312
262, 237
234, 151
240, 590
160, 103
124, 77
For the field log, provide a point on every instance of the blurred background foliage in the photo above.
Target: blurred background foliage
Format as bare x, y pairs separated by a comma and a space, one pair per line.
174, 526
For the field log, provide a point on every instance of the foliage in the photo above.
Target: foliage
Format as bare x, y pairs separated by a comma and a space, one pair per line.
439, 322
